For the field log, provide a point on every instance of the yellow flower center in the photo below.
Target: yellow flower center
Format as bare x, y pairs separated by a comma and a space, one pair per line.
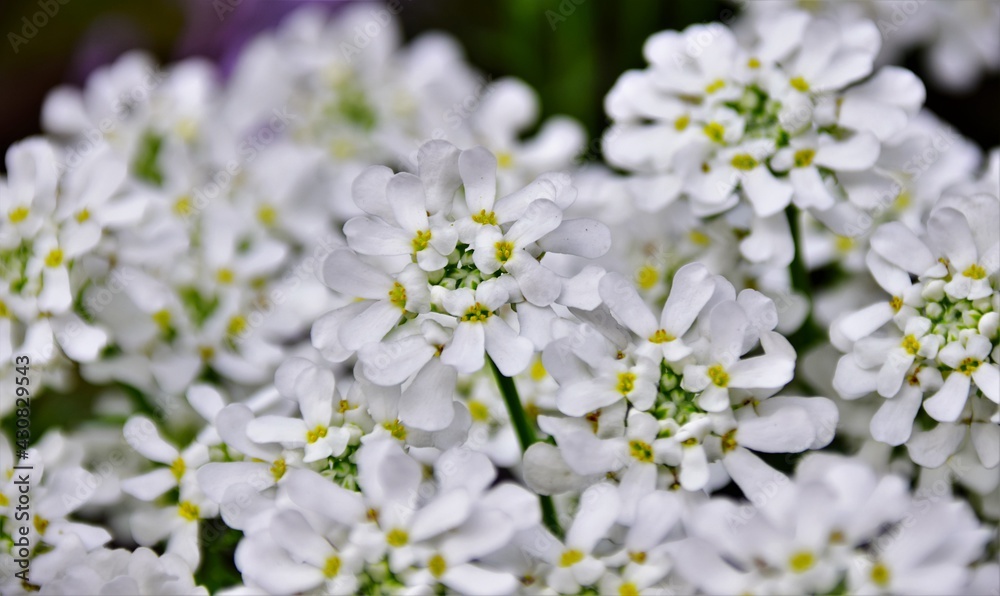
315, 434
729, 441
54, 258
968, 366
641, 451
911, 345
278, 469
477, 313
880, 575
626, 382
718, 375
799, 84
801, 561
682, 123
714, 131
744, 161
206, 352
804, 157
537, 370
505, 159
225, 275
162, 319
183, 206
628, 589
700, 238
237, 325
178, 467
691, 442
41, 524
570, 557
396, 429
479, 411
397, 537
843, 243
437, 566
753, 63
4, 501
896, 303
714, 86
267, 215
421, 240
18, 214
4, 311
397, 295
637, 557
975, 271
188, 510
331, 567
83, 215
505, 250
485, 218
646, 277
661, 337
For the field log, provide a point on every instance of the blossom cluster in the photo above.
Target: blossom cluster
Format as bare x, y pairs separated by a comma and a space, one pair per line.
342, 327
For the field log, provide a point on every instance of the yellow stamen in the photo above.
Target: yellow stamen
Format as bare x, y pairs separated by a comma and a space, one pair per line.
225, 275
801, 561
331, 567
178, 467
570, 557
54, 258
911, 345
714, 131
18, 214
485, 217
477, 313
714, 86
397, 537
626, 382
744, 161
505, 250
975, 271
799, 84
421, 239
437, 566
397, 295
641, 451
804, 157
188, 510
718, 375
661, 337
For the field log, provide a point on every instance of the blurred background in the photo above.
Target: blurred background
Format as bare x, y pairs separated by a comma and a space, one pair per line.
570, 51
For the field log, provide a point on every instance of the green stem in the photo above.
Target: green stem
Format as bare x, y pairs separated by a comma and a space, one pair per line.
526, 437
809, 334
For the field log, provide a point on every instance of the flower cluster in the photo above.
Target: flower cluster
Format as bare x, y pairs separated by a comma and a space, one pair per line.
338, 326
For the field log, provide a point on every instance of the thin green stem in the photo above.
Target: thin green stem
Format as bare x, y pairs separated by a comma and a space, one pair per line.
525, 431
809, 334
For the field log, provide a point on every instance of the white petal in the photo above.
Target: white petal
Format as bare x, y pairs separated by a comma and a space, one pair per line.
309, 490
857, 153
987, 378
587, 396
694, 468
371, 325
141, 434
932, 448
438, 168
393, 362
946, 405
440, 515
893, 423
690, 291
478, 169
150, 485
766, 372
623, 300
56, 296
897, 244
810, 190
314, 388
506, 348
892, 373
426, 403
476, 581
368, 191
986, 439
582, 237
372, 236
465, 352
277, 429
598, 510
767, 194
345, 272
785, 430
540, 218
405, 193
